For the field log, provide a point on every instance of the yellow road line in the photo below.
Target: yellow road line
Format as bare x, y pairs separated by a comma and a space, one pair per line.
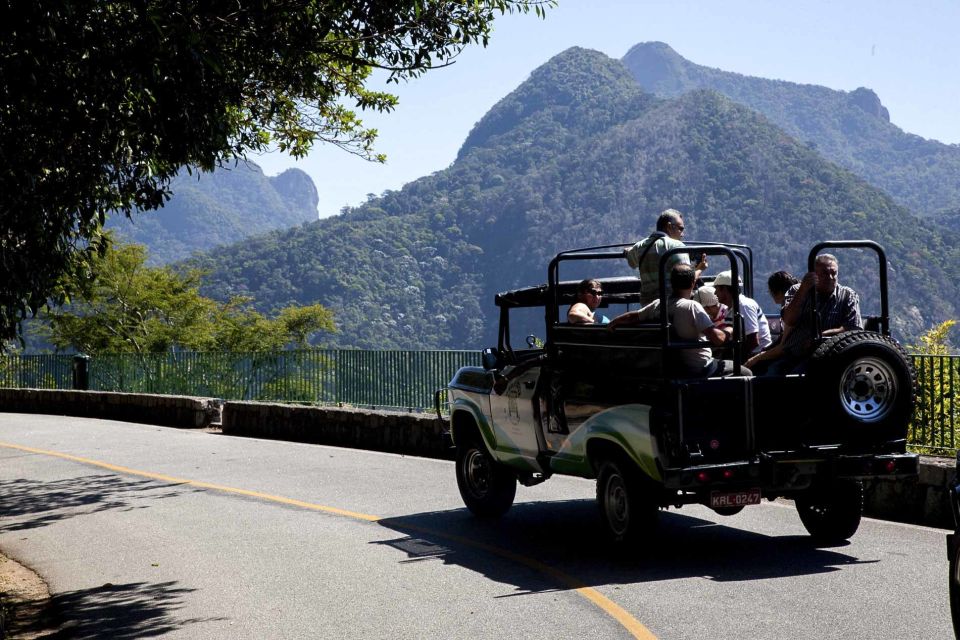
609, 607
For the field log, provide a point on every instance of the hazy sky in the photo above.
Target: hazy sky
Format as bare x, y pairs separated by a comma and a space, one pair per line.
907, 51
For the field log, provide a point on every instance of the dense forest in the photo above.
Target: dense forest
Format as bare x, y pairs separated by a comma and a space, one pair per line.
579, 155
207, 210
851, 128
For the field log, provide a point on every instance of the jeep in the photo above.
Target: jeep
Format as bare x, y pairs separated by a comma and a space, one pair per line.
610, 405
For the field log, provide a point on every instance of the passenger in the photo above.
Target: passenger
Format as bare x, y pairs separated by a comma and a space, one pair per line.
778, 284
691, 322
707, 297
756, 330
837, 307
645, 255
588, 299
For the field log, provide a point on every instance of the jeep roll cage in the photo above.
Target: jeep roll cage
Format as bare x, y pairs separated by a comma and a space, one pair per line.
883, 320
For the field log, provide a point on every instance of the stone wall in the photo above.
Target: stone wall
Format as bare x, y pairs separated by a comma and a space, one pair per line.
923, 500
169, 411
410, 433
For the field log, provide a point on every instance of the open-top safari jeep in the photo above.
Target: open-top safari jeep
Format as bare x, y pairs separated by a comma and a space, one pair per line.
597, 403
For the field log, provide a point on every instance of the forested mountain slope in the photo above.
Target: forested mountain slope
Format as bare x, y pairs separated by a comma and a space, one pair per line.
578, 155
219, 208
852, 128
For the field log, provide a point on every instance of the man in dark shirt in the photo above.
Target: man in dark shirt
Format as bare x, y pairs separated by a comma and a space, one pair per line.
838, 309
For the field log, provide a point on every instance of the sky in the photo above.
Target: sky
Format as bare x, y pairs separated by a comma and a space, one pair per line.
906, 51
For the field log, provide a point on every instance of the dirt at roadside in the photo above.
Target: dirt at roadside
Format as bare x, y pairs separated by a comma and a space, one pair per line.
25, 601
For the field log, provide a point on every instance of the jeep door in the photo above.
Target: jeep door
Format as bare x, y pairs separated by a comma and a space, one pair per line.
515, 420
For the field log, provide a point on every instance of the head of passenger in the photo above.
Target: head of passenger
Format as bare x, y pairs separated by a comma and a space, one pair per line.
707, 297
589, 293
723, 283
682, 278
778, 284
670, 222
827, 269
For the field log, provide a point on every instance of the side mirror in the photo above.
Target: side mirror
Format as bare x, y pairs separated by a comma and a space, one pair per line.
490, 359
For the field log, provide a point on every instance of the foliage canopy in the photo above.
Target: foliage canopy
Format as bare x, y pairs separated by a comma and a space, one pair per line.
128, 307
104, 101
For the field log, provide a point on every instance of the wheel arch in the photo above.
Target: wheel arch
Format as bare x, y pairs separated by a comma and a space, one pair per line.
604, 446
466, 421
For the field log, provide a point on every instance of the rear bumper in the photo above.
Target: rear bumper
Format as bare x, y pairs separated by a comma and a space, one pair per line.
791, 472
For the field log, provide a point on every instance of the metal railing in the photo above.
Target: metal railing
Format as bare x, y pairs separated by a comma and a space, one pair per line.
933, 428
36, 372
382, 379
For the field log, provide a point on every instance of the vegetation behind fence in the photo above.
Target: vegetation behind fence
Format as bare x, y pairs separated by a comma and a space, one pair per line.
390, 379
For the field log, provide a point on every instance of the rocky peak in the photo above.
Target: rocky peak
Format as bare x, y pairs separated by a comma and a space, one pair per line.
869, 101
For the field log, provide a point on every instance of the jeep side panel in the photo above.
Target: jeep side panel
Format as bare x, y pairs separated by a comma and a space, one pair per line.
625, 426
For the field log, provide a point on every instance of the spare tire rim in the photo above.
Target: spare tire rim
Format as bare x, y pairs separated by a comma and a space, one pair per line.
868, 389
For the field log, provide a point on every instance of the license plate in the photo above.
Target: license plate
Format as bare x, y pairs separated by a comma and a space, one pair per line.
734, 498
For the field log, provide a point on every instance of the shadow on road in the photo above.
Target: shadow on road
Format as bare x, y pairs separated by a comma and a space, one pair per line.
29, 504
567, 537
121, 611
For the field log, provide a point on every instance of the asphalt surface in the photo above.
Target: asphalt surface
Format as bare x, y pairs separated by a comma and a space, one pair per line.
147, 531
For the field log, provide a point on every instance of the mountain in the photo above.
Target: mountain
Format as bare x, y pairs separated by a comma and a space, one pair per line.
579, 155
209, 210
851, 128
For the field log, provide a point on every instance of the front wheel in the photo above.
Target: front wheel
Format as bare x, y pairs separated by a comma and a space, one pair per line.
627, 504
831, 513
486, 486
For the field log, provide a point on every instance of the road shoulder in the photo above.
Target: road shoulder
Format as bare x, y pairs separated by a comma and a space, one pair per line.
25, 600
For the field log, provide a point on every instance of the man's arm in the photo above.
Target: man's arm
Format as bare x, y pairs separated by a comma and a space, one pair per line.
770, 354
648, 312
717, 337
701, 267
792, 310
579, 314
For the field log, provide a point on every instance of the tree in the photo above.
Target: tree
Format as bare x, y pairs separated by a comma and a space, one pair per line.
137, 322
128, 307
103, 102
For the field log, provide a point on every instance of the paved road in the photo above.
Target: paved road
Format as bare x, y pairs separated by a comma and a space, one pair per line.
146, 531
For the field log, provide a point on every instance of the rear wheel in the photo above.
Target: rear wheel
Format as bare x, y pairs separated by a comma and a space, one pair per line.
486, 486
831, 513
626, 502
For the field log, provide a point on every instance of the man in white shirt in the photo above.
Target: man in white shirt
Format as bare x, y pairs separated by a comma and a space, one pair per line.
756, 330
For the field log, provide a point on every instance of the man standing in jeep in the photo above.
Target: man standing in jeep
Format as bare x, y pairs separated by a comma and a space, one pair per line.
645, 255
838, 310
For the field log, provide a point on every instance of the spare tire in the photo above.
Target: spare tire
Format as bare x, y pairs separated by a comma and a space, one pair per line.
864, 387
